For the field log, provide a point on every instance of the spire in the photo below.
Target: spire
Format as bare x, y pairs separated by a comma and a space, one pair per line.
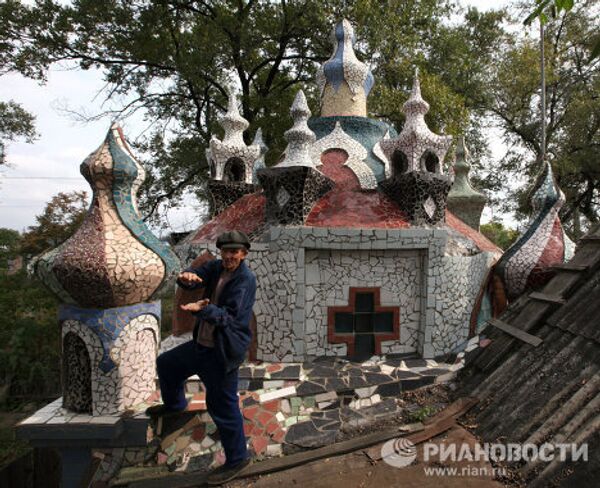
260, 162
463, 200
231, 160
345, 82
423, 149
233, 123
415, 106
299, 137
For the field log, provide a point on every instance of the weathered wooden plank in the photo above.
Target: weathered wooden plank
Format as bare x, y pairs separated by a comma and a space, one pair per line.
515, 332
570, 267
544, 297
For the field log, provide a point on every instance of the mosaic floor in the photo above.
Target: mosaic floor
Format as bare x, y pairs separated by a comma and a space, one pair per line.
286, 407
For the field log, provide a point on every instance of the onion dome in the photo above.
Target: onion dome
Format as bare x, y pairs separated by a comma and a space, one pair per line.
526, 264
345, 82
463, 200
113, 259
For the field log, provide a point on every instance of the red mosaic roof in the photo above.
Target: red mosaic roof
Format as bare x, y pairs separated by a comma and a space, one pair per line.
344, 206
477, 237
246, 215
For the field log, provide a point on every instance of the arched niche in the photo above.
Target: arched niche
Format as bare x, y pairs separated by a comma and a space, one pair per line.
77, 375
235, 170
430, 162
399, 163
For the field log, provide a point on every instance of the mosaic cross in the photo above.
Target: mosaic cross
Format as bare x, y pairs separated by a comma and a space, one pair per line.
363, 324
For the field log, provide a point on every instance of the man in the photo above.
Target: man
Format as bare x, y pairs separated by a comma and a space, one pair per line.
220, 340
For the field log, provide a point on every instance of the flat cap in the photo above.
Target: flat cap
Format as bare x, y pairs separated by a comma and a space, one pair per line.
233, 240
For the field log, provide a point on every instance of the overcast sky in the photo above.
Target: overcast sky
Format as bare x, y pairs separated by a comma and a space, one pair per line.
50, 165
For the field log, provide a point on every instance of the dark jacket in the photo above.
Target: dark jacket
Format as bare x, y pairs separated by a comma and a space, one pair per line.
232, 314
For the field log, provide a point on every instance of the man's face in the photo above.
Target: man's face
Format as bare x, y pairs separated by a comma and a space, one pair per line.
233, 257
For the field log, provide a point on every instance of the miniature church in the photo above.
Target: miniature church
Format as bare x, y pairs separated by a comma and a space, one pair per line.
355, 250
369, 262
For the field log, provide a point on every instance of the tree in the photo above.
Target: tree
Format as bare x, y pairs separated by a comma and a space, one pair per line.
175, 58
15, 123
61, 217
572, 121
9, 246
502, 236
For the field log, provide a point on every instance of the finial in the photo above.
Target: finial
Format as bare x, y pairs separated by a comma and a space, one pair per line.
299, 137
415, 105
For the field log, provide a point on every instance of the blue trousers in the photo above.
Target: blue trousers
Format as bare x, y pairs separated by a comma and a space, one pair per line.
185, 360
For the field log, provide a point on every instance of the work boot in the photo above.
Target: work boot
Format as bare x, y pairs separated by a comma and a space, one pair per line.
226, 473
161, 410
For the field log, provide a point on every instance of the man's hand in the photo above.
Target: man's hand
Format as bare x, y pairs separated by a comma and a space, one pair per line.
195, 306
188, 278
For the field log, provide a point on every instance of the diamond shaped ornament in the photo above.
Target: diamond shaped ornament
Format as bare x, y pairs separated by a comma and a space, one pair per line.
429, 207
282, 197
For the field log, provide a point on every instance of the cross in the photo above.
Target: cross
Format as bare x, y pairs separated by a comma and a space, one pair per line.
363, 324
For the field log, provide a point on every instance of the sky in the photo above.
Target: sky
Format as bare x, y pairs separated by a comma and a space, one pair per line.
50, 165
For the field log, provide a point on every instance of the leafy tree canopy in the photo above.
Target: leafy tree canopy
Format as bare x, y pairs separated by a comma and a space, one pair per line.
174, 59
61, 217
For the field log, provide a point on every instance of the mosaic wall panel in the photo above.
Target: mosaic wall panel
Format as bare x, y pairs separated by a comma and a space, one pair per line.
112, 259
456, 297
291, 192
121, 348
328, 276
422, 196
453, 271
223, 194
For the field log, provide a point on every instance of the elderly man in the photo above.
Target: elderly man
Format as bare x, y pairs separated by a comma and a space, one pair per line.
220, 340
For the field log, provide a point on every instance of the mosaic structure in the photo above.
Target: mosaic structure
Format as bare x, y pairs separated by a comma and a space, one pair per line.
293, 186
527, 263
103, 275
417, 184
339, 213
231, 162
463, 200
345, 82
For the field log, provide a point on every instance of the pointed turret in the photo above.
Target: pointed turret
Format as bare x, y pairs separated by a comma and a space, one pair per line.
231, 161
417, 183
299, 137
463, 200
294, 185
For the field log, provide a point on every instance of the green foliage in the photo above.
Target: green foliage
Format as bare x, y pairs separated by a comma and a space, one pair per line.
61, 217
422, 413
9, 246
501, 236
175, 59
29, 338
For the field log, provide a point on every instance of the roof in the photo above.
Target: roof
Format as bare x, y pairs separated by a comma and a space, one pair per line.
549, 393
346, 206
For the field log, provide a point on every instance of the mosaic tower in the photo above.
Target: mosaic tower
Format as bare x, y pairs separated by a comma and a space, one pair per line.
463, 200
345, 82
231, 161
294, 185
106, 275
418, 183
527, 263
